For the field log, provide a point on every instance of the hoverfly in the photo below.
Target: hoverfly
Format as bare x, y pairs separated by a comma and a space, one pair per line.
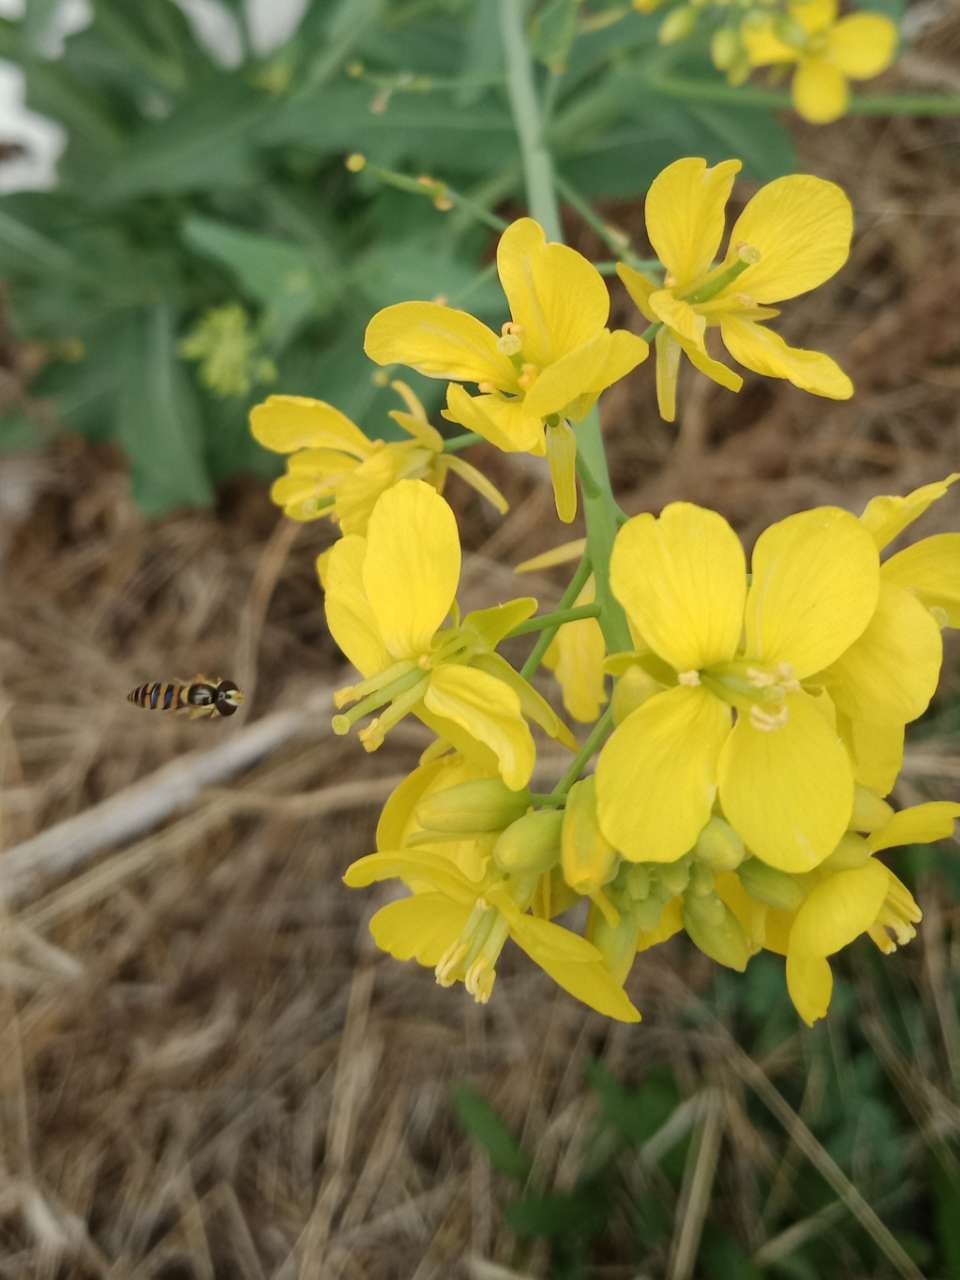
200, 697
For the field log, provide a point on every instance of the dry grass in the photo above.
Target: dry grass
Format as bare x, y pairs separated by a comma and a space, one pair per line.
207, 1071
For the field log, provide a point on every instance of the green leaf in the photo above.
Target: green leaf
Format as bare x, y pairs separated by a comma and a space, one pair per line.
479, 1120
636, 1114
293, 283
554, 31
157, 416
154, 40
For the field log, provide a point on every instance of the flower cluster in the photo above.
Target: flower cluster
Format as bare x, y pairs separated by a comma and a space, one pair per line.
744, 719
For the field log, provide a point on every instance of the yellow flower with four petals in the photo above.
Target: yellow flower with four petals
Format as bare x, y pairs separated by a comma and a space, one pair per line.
792, 236
548, 365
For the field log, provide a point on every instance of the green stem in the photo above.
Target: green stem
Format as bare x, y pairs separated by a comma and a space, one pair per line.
601, 511
537, 161
574, 587
868, 104
554, 620
456, 444
609, 268
584, 755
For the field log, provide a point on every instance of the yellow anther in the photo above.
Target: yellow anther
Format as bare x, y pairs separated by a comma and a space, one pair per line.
356, 161
509, 344
528, 376
748, 254
768, 721
689, 678
486, 388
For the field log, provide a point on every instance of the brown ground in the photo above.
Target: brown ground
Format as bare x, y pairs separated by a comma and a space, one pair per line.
207, 1071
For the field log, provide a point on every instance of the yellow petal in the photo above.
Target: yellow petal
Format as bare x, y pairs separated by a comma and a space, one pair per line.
564, 554
494, 624
682, 580
286, 423
508, 424
639, 287
439, 342
397, 822
930, 569
667, 369
863, 44
576, 657
657, 775
810, 984
839, 909
758, 348
700, 358
816, 580
562, 460
421, 431
801, 227
359, 490
920, 824
678, 316
685, 215
623, 351
890, 673
419, 928
488, 710
533, 706
568, 377
876, 751
813, 15
411, 864
574, 964
349, 615
820, 92
557, 297
764, 48
412, 566
888, 515
477, 481
787, 791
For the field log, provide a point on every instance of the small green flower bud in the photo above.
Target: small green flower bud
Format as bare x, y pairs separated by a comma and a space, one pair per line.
647, 913
714, 928
852, 851
637, 883
870, 813
724, 48
702, 880
719, 846
633, 688
674, 876
532, 843
768, 884
588, 859
677, 25
486, 804
616, 943
739, 70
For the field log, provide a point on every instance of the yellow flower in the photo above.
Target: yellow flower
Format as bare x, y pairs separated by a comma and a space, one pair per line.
850, 895
336, 471
920, 593
792, 236
549, 364
459, 926
783, 776
387, 597
828, 53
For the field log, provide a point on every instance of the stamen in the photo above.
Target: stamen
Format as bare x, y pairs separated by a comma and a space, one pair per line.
350, 693
689, 678
528, 376
373, 735
768, 721
509, 344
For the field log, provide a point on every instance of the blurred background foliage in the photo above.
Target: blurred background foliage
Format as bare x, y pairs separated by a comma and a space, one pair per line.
202, 209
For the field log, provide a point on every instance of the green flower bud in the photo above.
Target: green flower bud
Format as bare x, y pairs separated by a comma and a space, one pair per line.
647, 913
714, 928
739, 70
616, 943
674, 876
852, 851
633, 688
486, 804
768, 884
677, 25
588, 859
870, 813
724, 48
637, 882
719, 846
701, 880
531, 844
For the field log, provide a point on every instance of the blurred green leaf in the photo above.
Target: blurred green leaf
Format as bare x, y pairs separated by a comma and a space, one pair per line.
583, 1213
553, 32
293, 284
638, 1113
722, 1258
481, 1122
157, 416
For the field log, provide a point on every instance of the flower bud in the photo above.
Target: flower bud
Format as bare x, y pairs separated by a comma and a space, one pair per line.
531, 844
674, 876
588, 859
852, 851
616, 943
724, 48
633, 688
870, 813
485, 804
719, 846
677, 25
714, 928
768, 884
